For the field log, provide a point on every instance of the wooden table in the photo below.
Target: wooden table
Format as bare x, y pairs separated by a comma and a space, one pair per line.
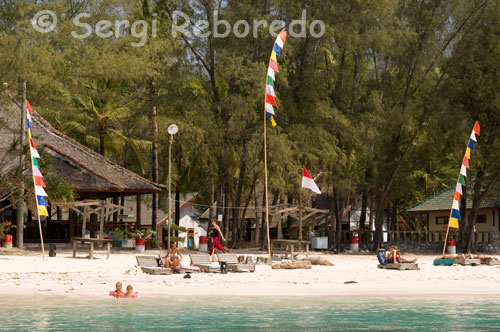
91, 241
289, 247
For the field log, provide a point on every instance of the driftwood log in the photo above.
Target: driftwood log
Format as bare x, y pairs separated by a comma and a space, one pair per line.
306, 264
318, 261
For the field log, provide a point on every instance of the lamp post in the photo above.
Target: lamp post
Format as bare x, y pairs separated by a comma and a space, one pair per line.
172, 130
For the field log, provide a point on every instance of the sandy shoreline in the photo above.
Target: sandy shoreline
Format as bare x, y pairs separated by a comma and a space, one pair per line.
25, 273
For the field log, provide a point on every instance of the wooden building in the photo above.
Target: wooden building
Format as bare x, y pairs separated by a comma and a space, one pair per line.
92, 176
436, 210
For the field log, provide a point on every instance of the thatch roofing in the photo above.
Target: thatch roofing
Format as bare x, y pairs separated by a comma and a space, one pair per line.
80, 166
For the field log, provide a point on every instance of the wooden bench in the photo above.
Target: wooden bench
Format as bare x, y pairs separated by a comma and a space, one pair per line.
399, 266
289, 247
92, 241
233, 263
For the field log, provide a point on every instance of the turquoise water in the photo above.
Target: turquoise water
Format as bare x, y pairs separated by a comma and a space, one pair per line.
253, 314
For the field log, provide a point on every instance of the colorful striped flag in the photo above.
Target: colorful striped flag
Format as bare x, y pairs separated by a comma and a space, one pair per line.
455, 208
271, 76
37, 175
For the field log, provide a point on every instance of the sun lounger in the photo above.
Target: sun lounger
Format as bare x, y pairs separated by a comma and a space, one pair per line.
490, 261
233, 263
149, 265
399, 266
444, 262
203, 262
467, 261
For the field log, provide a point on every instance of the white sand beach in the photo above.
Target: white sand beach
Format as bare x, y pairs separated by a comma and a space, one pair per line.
24, 273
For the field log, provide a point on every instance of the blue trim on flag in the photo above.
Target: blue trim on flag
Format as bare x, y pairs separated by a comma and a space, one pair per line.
29, 126
456, 214
471, 144
277, 49
269, 116
41, 200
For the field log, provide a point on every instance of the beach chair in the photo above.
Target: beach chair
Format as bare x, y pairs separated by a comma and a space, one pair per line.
467, 261
490, 261
399, 266
150, 265
233, 263
203, 262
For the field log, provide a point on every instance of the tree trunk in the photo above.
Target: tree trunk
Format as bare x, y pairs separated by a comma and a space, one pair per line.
331, 233
364, 203
101, 142
338, 218
212, 198
177, 209
257, 219
236, 209
154, 162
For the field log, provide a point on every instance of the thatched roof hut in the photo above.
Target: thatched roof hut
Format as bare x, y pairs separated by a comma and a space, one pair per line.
91, 174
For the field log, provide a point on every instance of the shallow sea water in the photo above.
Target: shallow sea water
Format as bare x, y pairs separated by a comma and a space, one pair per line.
388, 313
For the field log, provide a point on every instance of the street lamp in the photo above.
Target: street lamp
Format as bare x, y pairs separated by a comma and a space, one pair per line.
172, 130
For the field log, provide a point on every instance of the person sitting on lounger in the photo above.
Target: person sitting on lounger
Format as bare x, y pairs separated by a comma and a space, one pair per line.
392, 256
174, 256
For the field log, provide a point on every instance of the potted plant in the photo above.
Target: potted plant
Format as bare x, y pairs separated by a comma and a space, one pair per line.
128, 239
5, 228
139, 239
117, 235
148, 235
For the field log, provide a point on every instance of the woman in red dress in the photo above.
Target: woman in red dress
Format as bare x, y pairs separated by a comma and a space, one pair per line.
216, 235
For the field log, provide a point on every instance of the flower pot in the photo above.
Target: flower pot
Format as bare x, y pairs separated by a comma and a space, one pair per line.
117, 243
139, 244
7, 241
129, 243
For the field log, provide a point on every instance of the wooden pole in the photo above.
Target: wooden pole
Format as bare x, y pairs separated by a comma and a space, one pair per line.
300, 215
37, 212
265, 185
20, 203
448, 228
169, 185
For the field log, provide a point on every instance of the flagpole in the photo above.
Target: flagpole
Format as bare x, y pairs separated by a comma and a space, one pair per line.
451, 211
265, 185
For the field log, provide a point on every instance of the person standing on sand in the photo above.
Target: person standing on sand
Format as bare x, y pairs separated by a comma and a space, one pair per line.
216, 234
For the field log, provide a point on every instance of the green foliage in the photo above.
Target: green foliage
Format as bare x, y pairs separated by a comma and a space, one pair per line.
382, 103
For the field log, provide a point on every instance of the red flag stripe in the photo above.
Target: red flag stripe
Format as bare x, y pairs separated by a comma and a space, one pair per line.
477, 129
28, 106
305, 173
274, 65
457, 196
270, 100
466, 162
32, 143
39, 182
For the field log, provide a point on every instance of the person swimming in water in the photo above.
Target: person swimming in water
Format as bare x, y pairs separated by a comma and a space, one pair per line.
130, 292
118, 292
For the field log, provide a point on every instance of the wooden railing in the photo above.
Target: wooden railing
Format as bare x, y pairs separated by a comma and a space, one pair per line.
412, 237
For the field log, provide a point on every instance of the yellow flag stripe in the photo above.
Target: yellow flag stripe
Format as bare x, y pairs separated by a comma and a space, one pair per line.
453, 223
42, 211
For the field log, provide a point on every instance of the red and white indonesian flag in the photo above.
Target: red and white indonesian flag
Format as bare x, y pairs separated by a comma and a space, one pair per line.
308, 182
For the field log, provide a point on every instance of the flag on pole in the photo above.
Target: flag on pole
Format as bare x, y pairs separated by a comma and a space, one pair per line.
271, 76
308, 182
455, 208
35, 167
